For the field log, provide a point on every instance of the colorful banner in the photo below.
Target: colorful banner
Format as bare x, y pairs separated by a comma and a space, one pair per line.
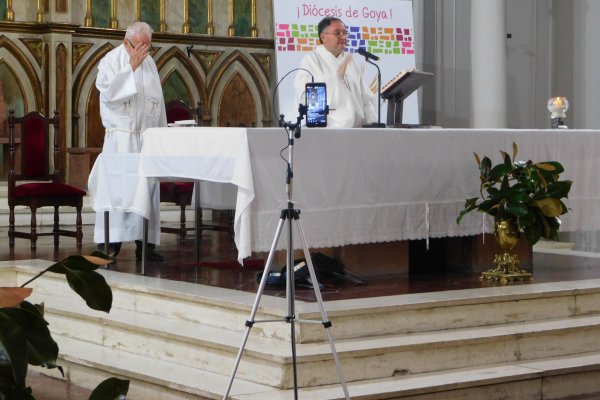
384, 28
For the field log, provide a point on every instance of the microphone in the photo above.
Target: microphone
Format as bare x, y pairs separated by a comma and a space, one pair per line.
363, 52
368, 57
189, 50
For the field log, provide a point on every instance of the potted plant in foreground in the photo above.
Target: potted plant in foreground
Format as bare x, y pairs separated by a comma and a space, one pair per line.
24, 335
524, 198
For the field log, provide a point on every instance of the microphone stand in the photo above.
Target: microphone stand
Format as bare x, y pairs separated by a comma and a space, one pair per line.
377, 124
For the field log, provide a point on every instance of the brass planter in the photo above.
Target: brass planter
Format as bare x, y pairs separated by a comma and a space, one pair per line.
506, 267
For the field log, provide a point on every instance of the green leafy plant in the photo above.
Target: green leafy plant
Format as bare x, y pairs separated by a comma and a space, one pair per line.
24, 335
529, 193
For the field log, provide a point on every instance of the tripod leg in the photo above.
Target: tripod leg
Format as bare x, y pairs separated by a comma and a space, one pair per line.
250, 321
326, 322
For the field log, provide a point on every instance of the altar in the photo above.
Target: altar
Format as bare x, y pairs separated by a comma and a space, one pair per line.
366, 186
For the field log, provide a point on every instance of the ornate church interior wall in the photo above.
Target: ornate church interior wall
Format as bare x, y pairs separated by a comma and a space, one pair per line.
49, 57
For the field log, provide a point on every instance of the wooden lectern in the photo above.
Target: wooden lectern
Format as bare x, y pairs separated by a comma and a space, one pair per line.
398, 89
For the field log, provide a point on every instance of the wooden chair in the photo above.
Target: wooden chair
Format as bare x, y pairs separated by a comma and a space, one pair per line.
35, 183
180, 193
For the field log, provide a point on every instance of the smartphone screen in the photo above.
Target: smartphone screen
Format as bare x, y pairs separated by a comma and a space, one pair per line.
316, 104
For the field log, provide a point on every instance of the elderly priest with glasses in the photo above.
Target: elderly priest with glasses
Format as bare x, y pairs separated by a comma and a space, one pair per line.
131, 101
351, 103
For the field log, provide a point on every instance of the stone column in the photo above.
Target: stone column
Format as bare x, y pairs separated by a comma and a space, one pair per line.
488, 64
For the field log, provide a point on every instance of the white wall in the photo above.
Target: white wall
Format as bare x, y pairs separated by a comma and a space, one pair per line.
586, 64
552, 51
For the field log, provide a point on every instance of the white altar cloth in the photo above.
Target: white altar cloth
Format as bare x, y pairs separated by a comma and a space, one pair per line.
367, 185
207, 154
115, 186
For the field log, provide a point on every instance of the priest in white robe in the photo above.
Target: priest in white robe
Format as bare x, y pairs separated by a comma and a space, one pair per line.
351, 103
131, 100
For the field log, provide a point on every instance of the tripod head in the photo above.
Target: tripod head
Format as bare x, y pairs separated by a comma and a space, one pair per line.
294, 127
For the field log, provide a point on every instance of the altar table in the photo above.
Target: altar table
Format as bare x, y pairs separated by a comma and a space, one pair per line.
358, 186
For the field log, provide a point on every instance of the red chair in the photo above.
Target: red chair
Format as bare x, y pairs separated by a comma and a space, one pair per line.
180, 193
37, 183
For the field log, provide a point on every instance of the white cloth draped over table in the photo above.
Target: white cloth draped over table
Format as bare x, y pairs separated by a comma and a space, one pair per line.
206, 154
350, 101
130, 102
115, 186
367, 185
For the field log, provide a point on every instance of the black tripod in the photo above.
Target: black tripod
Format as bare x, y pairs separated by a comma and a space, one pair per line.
290, 214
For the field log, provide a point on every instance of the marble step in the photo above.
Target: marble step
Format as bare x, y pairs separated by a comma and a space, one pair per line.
168, 327
200, 328
352, 319
548, 378
269, 361
554, 378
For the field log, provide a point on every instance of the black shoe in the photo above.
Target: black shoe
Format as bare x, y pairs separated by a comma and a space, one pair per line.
113, 249
151, 254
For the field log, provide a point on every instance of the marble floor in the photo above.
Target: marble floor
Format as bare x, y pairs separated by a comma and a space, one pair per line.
219, 268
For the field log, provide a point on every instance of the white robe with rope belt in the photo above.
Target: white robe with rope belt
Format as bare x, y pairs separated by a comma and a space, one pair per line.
351, 103
130, 102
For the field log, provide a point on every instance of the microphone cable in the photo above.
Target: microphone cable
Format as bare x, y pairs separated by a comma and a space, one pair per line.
281, 120
312, 79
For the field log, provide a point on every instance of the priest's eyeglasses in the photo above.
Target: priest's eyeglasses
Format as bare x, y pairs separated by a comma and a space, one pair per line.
337, 33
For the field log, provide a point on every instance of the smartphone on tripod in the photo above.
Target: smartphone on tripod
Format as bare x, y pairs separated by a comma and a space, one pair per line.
316, 104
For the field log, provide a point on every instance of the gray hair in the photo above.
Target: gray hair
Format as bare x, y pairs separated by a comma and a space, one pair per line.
138, 28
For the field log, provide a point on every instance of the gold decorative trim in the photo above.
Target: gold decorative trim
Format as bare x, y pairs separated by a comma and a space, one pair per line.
35, 48
87, 20
35, 28
138, 10
253, 30
79, 49
19, 83
10, 14
114, 22
89, 66
162, 27
185, 28
29, 70
170, 74
176, 53
206, 58
237, 56
264, 60
231, 28
39, 16
210, 29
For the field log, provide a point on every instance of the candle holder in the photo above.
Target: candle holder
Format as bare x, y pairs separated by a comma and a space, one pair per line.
557, 107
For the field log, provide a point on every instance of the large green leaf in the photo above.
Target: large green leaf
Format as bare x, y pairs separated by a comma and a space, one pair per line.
533, 233
560, 189
111, 389
500, 171
551, 166
85, 281
13, 352
92, 288
79, 263
549, 207
517, 209
41, 348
